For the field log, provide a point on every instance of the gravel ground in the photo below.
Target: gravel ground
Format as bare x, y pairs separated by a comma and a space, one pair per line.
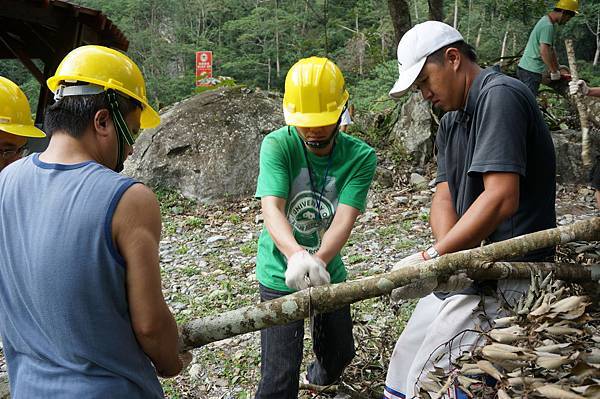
208, 259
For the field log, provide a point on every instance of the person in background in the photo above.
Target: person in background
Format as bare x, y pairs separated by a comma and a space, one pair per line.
581, 88
346, 120
495, 180
16, 124
540, 54
313, 183
82, 313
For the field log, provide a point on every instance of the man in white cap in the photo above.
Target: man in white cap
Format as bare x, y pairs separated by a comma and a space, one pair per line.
495, 180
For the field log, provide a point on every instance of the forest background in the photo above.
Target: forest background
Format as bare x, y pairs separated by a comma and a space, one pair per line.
256, 41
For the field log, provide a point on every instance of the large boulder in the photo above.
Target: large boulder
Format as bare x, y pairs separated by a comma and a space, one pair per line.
567, 145
413, 134
207, 146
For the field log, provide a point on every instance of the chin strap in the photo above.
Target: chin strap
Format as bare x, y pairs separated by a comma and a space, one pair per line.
123, 133
324, 143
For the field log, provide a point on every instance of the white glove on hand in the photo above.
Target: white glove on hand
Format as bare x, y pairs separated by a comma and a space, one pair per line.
318, 273
410, 260
555, 75
578, 87
302, 264
424, 287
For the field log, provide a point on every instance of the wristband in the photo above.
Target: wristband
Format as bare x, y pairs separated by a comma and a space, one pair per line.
432, 252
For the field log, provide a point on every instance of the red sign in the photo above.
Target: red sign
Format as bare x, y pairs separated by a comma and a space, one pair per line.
203, 68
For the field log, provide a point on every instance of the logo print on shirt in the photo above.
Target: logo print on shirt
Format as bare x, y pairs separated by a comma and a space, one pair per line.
307, 225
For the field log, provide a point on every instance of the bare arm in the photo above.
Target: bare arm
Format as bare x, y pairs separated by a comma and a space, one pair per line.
337, 234
594, 92
443, 215
136, 231
549, 57
499, 201
277, 225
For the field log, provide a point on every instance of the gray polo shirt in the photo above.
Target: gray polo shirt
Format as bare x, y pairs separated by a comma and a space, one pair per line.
501, 129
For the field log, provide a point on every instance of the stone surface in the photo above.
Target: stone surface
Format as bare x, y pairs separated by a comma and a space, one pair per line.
384, 177
207, 146
567, 144
417, 180
413, 131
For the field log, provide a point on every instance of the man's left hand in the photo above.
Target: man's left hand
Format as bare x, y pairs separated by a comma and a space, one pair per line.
411, 260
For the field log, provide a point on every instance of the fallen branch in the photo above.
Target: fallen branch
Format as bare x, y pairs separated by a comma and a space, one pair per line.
301, 304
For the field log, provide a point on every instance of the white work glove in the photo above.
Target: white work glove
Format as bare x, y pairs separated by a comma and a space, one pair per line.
578, 87
555, 75
411, 260
302, 264
426, 286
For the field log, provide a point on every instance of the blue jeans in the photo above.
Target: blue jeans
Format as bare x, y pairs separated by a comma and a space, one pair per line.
531, 79
282, 346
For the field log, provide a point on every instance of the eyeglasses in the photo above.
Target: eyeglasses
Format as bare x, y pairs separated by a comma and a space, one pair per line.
13, 152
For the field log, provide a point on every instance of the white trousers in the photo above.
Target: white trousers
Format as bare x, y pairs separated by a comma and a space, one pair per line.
436, 335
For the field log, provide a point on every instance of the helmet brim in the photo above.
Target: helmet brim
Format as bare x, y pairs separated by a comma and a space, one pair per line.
316, 119
22, 130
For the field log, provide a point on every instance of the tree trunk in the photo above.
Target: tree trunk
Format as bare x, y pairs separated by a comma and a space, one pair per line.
416, 12
301, 304
436, 10
469, 21
581, 108
597, 53
455, 24
478, 39
400, 15
277, 69
503, 50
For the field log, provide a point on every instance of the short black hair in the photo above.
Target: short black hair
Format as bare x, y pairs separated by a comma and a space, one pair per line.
568, 12
463, 47
74, 114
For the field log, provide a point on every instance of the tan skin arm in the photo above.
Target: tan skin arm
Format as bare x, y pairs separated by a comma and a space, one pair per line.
136, 230
338, 232
443, 215
277, 225
498, 201
281, 232
549, 57
594, 92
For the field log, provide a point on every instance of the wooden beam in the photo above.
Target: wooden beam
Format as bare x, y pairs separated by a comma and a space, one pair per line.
23, 57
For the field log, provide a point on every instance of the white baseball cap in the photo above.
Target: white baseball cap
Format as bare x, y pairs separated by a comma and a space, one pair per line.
416, 45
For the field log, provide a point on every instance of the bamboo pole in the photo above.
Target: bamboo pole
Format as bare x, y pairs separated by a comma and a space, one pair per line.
476, 262
581, 108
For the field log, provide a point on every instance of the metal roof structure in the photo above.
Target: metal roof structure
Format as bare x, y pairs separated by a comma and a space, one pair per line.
46, 30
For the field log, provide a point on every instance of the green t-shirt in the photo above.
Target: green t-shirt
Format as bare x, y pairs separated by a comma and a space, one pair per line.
543, 32
284, 173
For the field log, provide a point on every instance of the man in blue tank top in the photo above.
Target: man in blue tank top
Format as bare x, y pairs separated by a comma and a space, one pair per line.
16, 124
82, 313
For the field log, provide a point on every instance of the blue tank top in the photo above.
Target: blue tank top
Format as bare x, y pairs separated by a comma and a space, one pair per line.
64, 316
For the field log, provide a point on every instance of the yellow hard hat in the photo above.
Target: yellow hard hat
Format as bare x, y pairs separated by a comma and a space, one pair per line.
109, 69
571, 5
315, 93
15, 114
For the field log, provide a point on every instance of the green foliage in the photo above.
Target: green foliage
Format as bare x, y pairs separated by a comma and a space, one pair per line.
173, 202
256, 42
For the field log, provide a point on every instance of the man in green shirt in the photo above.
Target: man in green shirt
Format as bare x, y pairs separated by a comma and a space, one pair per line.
539, 54
313, 183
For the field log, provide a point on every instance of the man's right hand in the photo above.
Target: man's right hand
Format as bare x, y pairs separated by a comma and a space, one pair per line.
578, 87
301, 264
